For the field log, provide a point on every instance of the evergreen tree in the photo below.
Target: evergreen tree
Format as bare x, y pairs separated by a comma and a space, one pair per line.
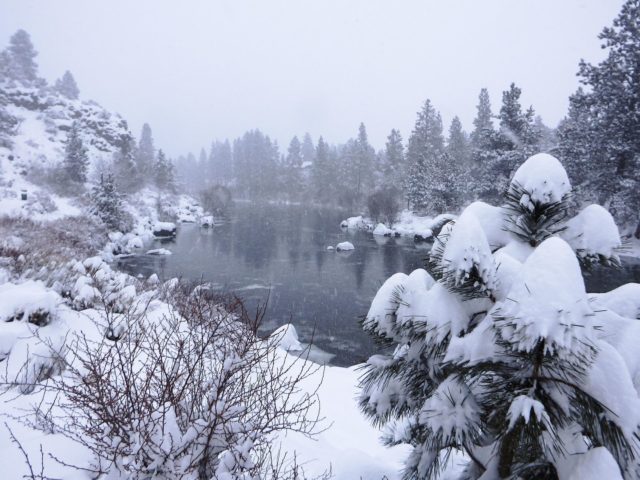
547, 136
483, 153
516, 139
506, 364
67, 86
125, 171
145, 153
577, 149
307, 149
22, 54
425, 155
459, 154
292, 169
221, 163
107, 203
76, 161
322, 174
255, 164
204, 169
512, 120
164, 177
359, 162
393, 169
608, 111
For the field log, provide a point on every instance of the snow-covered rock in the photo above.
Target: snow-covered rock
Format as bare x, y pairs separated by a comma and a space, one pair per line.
186, 218
207, 221
164, 229
344, 246
159, 251
135, 243
357, 222
382, 229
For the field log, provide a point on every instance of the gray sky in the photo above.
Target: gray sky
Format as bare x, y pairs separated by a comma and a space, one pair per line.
199, 70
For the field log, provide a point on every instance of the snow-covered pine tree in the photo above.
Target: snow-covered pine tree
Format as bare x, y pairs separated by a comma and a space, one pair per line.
125, 171
22, 65
576, 147
322, 173
393, 169
459, 154
145, 153
107, 203
483, 153
609, 112
307, 149
424, 153
291, 176
500, 353
67, 86
76, 160
516, 140
164, 176
360, 168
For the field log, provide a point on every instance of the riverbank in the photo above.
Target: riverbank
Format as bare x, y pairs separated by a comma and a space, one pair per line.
55, 278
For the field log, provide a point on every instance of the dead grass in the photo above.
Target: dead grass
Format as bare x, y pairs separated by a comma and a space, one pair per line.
45, 247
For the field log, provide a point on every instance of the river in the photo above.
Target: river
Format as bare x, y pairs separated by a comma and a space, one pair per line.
280, 253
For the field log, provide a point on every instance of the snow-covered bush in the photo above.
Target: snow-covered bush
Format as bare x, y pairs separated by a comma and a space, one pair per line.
187, 391
499, 351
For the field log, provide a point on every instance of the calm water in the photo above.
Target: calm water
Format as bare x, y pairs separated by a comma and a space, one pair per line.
280, 252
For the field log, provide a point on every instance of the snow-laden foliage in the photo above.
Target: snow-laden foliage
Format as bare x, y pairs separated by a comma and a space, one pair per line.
500, 352
593, 234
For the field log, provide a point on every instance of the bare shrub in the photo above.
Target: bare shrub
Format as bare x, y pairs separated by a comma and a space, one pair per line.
46, 247
190, 393
215, 199
383, 205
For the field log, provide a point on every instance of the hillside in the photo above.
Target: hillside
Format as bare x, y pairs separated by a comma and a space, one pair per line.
37, 121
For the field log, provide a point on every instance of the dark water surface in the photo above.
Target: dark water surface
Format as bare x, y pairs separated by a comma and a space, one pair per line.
280, 252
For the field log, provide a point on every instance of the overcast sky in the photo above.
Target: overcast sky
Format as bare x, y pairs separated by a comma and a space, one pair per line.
199, 70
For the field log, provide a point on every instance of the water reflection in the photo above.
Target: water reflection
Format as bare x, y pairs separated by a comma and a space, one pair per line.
281, 252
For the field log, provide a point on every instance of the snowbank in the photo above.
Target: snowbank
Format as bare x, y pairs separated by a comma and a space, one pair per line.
408, 225
287, 338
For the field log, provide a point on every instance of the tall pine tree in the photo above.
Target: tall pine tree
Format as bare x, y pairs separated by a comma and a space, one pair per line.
604, 120
76, 161
394, 169
145, 153
22, 65
425, 156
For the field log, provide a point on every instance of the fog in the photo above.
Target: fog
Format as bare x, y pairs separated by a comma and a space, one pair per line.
199, 70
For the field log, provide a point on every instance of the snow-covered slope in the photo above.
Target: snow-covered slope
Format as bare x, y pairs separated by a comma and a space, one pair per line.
42, 119
39, 119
